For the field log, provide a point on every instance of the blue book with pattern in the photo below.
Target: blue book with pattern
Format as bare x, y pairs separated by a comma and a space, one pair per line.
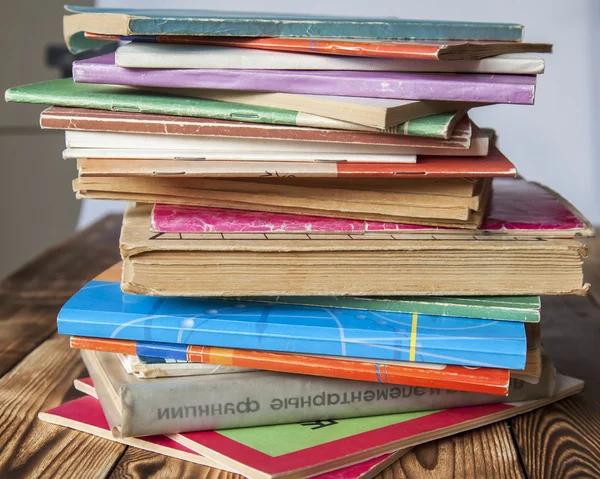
100, 309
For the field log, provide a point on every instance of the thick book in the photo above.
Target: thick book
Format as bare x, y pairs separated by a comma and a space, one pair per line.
135, 407
83, 119
295, 264
309, 448
449, 50
393, 205
85, 414
469, 87
458, 378
149, 55
123, 21
146, 367
100, 309
65, 92
546, 215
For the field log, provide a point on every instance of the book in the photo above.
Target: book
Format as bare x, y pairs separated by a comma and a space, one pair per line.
210, 147
323, 444
85, 414
296, 264
146, 367
65, 92
83, 119
458, 378
426, 168
391, 204
468, 87
403, 117
448, 50
547, 215
136, 407
121, 21
100, 309
156, 55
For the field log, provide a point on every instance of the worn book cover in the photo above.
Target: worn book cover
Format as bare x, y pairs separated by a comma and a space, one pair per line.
123, 21
546, 215
101, 310
136, 407
85, 414
65, 92
83, 119
469, 87
458, 378
156, 55
449, 50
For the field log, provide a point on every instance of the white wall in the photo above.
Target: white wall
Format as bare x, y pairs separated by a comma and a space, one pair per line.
553, 142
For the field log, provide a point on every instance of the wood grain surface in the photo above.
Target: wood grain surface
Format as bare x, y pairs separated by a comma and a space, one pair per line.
37, 369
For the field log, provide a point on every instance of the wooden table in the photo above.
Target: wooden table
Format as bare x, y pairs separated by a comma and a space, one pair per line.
37, 370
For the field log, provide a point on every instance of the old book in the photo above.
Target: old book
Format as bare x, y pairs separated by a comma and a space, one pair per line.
100, 309
81, 119
351, 202
426, 169
66, 93
156, 55
458, 378
468, 87
547, 215
253, 24
448, 50
199, 145
146, 367
312, 447
134, 407
199, 264
85, 414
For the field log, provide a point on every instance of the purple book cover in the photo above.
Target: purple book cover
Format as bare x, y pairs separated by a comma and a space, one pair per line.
469, 87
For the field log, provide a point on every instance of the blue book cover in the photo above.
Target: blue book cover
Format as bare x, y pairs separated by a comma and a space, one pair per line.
100, 309
125, 21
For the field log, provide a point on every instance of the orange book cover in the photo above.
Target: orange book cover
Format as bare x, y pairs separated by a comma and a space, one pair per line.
460, 378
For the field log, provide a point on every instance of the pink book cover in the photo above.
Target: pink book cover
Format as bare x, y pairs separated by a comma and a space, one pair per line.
85, 414
517, 207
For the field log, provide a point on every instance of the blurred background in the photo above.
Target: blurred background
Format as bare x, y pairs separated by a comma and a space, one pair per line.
554, 142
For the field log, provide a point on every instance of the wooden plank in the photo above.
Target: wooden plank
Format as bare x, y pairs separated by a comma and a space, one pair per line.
563, 440
31, 448
485, 452
31, 297
136, 463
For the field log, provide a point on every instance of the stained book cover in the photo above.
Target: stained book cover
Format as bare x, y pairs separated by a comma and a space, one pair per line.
468, 87
458, 378
136, 407
101, 309
122, 21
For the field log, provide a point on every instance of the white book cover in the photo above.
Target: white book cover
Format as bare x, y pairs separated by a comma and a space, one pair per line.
156, 55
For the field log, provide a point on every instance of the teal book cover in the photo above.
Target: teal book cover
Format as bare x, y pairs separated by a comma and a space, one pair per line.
123, 21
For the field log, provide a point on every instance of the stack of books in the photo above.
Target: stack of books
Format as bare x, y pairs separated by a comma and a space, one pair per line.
325, 261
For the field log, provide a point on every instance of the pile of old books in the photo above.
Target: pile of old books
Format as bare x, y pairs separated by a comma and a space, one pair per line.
324, 255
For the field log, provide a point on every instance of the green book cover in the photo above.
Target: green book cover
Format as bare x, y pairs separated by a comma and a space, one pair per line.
65, 92
500, 308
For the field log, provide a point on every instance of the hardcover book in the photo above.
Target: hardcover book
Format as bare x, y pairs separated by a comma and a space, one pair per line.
123, 21
85, 414
100, 309
546, 215
471, 87
136, 407
295, 264
65, 92
449, 50
149, 55
458, 378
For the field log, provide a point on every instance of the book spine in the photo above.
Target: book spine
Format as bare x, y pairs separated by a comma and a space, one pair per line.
265, 399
